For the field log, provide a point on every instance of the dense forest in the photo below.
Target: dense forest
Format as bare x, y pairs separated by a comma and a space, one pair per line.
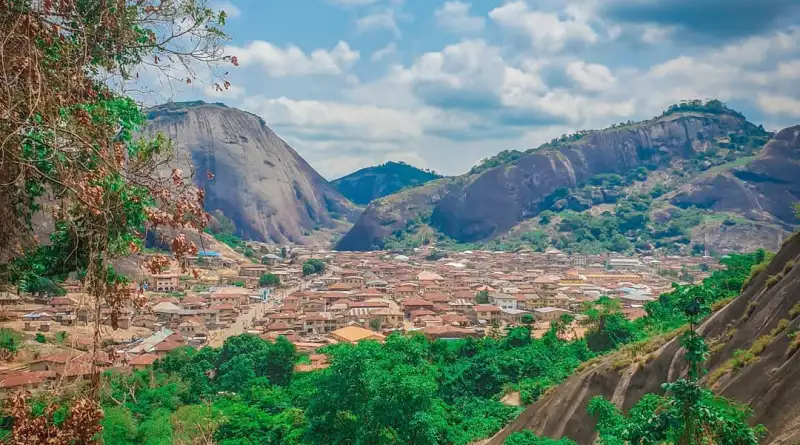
406, 390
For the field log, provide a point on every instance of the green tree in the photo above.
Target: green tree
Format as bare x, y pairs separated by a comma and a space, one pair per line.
119, 426
269, 280
527, 319
482, 297
608, 328
40, 338
375, 324
10, 341
313, 266
688, 413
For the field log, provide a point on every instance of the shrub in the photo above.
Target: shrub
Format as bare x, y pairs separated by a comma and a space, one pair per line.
40, 338
774, 279
794, 311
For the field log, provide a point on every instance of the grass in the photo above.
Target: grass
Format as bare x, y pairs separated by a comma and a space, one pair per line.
742, 358
754, 271
794, 311
749, 311
774, 279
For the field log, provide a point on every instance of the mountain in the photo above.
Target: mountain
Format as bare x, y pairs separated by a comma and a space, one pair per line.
754, 359
369, 183
650, 184
257, 180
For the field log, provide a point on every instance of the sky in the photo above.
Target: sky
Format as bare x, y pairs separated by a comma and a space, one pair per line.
443, 84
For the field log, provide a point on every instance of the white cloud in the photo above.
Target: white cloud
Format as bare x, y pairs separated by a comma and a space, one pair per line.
455, 16
230, 9
547, 31
337, 120
652, 34
378, 21
384, 52
590, 76
292, 61
778, 105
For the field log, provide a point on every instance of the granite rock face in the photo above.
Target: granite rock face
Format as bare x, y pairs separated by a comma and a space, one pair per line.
269, 192
482, 205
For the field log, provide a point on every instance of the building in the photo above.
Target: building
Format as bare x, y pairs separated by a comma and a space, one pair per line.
486, 313
549, 313
165, 282
355, 334
504, 301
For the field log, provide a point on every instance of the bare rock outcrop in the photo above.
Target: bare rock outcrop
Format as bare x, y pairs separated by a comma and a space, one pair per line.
257, 180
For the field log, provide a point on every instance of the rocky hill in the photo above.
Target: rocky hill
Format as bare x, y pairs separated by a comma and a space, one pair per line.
369, 183
632, 178
754, 359
257, 180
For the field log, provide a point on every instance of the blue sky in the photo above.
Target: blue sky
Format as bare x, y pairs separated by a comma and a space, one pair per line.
442, 84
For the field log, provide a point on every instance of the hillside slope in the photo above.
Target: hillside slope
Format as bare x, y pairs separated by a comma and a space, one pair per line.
258, 181
677, 147
367, 184
763, 321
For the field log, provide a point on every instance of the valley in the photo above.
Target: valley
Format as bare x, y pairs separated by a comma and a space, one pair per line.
178, 265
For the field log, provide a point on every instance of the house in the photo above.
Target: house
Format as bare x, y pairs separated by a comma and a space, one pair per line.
388, 318
504, 301
23, 381
142, 361
448, 332
413, 304
512, 316
252, 270
549, 313
487, 313
165, 282
355, 334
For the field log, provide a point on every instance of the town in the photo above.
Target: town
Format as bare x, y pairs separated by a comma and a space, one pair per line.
316, 297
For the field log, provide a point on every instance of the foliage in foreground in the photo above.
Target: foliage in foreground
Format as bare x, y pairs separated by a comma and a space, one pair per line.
408, 390
686, 413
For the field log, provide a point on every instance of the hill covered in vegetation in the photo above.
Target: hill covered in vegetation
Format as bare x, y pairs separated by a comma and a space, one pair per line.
697, 178
367, 184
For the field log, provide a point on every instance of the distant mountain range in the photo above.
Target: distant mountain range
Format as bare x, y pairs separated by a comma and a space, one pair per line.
699, 177
368, 184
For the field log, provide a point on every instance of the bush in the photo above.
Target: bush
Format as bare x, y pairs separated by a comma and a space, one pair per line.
313, 266
269, 280
40, 338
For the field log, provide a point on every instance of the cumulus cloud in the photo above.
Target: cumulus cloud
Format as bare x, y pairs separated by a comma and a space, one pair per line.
547, 31
384, 52
292, 61
779, 105
712, 19
383, 20
320, 120
455, 16
590, 76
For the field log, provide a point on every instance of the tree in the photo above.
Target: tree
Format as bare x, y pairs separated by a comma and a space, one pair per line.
119, 426
375, 324
70, 139
40, 338
283, 252
688, 413
607, 326
10, 341
527, 319
482, 297
313, 266
269, 280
